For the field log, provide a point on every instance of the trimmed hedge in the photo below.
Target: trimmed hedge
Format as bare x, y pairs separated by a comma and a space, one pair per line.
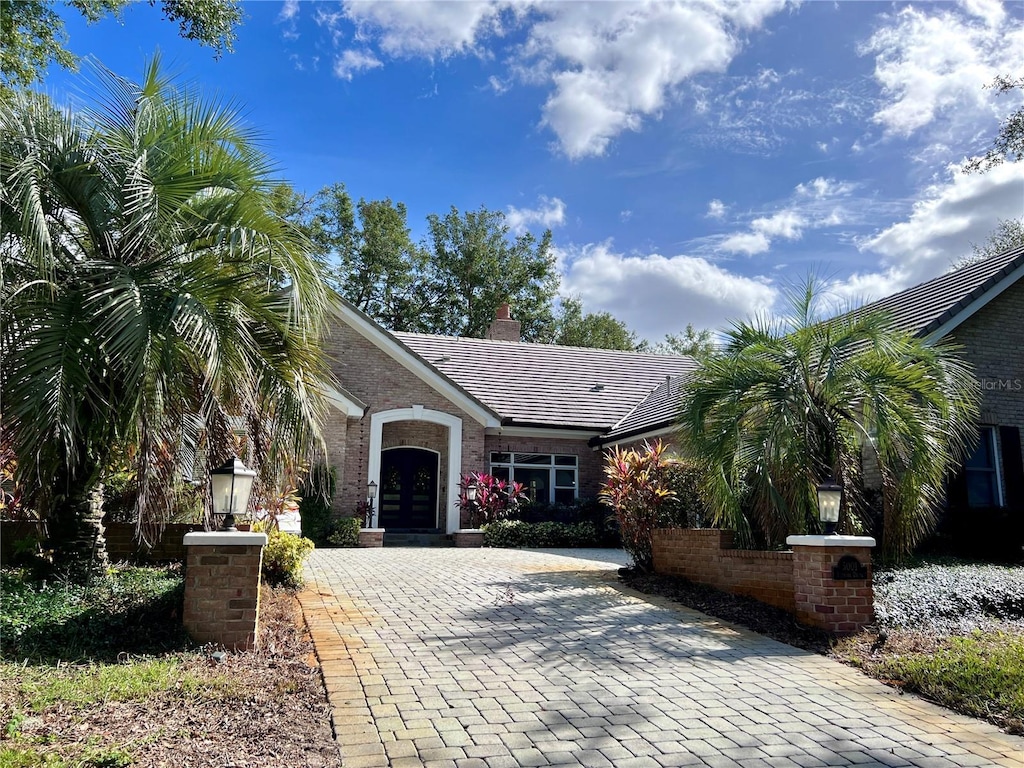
516, 533
345, 533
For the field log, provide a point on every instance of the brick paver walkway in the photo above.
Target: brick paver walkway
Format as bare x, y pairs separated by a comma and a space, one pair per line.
503, 658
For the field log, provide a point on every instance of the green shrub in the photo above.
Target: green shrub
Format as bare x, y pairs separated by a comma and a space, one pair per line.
283, 557
315, 504
686, 508
133, 610
958, 596
515, 533
345, 533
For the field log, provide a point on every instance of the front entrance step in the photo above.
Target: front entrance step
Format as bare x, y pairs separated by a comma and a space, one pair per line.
417, 540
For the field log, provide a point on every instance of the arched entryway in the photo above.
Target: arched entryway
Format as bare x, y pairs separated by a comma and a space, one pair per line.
408, 488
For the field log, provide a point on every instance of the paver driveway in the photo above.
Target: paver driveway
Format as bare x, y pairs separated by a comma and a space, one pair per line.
494, 658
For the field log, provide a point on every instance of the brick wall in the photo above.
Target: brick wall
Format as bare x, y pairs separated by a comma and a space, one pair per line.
222, 588
382, 383
800, 581
705, 555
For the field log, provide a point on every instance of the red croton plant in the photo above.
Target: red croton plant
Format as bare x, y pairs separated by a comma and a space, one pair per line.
495, 498
637, 487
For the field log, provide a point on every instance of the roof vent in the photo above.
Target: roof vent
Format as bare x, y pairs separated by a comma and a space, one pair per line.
597, 388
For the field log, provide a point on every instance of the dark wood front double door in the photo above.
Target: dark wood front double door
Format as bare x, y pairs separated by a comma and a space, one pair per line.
408, 488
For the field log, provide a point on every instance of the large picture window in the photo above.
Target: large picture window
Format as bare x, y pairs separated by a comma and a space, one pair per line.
548, 478
982, 472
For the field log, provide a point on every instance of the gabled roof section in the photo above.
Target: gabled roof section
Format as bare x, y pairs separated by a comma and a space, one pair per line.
546, 385
655, 412
934, 308
388, 343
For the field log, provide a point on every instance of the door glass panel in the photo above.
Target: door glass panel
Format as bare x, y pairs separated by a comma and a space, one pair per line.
501, 458
500, 472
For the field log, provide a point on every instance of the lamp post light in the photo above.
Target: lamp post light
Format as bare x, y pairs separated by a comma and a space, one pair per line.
471, 493
371, 494
231, 486
830, 499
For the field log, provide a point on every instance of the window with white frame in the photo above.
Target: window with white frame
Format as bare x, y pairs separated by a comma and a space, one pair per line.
547, 478
982, 471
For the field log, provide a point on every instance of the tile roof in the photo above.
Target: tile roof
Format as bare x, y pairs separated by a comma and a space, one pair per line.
548, 385
922, 309
928, 306
656, 411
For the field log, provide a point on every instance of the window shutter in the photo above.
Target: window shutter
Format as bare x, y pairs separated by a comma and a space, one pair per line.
1013, 467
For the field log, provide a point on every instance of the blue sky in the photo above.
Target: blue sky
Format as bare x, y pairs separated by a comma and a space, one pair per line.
691, 158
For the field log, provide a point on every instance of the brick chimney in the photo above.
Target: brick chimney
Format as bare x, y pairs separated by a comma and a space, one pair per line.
503, 327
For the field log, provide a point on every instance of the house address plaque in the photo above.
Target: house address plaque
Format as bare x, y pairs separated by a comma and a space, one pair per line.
849, 567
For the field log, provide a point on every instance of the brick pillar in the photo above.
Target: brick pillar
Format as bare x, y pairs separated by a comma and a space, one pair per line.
222, 587
841, 605
371, 537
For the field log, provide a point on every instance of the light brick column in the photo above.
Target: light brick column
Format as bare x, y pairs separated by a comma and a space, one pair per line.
222, 587
371, 537
841, 605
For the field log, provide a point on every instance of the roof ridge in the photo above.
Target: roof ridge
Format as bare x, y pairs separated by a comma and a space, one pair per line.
541, 345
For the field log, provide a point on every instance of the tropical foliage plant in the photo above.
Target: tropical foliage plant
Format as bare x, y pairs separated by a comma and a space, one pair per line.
152, 304
789, 403
638, 488
495, 499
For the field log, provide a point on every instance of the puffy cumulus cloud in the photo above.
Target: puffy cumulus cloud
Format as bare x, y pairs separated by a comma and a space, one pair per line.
716, 210
612, 65
289, 9
549, 213
747, 243
352, 62
608, 66
426, 28
785, 224
935, 64
947, 219
655, 294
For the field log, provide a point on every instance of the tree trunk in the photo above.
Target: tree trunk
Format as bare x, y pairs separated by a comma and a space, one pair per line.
76, 534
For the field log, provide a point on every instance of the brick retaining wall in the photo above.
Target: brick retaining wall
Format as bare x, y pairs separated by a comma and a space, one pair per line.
799, 581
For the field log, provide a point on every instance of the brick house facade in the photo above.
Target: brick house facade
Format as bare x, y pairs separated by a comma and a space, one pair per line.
415, 413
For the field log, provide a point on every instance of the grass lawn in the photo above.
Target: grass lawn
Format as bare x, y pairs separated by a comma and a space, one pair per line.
104, 677
951, 631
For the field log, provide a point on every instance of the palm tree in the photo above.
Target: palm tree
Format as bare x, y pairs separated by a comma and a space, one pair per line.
785, 405
150, 300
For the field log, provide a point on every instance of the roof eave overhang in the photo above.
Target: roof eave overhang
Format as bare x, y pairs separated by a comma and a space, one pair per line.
660, 429
947, 324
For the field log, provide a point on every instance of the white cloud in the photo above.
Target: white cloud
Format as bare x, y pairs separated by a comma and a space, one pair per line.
352, 62
949, 217
785, 224
608, 66
425, 28
748, 243
716, 210
549, 213
625, 215
655, 295
935, 65
289, 10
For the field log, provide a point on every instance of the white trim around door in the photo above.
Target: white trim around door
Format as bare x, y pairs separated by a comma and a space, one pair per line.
419, 413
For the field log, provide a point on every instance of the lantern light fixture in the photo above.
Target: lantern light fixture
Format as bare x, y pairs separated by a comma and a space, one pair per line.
830, 499
231, 485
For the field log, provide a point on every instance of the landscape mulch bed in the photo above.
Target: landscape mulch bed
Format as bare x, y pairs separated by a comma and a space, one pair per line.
275, 714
